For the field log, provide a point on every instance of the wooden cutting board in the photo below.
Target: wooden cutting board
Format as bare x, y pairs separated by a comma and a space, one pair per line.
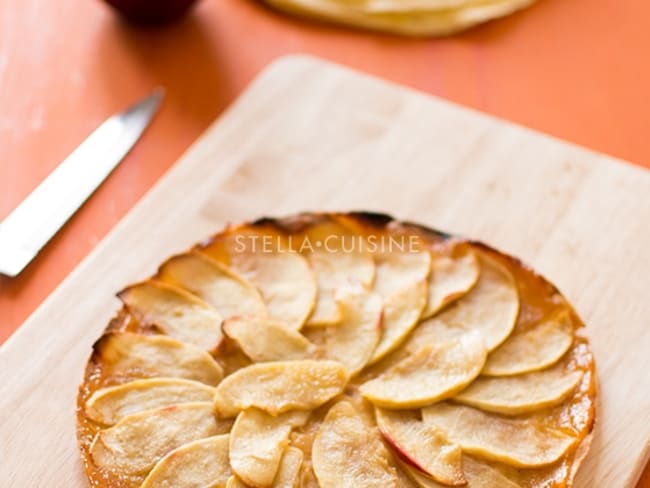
310, 136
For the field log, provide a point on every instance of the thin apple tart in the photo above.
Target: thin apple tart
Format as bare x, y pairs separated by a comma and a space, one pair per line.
338, 351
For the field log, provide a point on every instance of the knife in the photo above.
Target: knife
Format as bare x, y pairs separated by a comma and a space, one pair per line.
25, 231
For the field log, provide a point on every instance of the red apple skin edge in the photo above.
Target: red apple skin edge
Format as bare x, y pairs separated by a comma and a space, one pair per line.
151, 11
401, 452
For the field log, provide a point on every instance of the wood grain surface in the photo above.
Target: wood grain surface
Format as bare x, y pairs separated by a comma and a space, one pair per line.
312, 136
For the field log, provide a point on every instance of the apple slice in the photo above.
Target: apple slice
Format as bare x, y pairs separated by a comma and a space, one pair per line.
403, 476
338, 259
422, 445
212, 281
202, 463
262, 255
138, 441
338, 234
128, 356
451, 277
478, 474
397, 270
258, 441
264, 339
175, 312
287, 284
277, 387
433, 373
334, 270
289, 472
326, 311
354, 340
348, 453
513, 395
420, 479
482, 475
521, 442
109, 405
490, 308
234, 482
401, 313
532, 350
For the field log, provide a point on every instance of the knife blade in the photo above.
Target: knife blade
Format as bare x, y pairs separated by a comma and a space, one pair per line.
26, 230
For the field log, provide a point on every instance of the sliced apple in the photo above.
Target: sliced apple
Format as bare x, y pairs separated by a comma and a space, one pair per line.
258, 441
532, 350
138, 441
403, 476
277, 387
261, 253
212, 281
483, 475
127, 356
202, 463
284, 278
418, 476
422, 445
287, 284
265, 339
525, 393
401, 313
288, 475
337, 234
478, 474
397, 270
521, 442
354, 340
333, 271
433, 373
326, 311
234, 482
490, 308
338, 258
175, 312
451, 277
348, 453
109, 405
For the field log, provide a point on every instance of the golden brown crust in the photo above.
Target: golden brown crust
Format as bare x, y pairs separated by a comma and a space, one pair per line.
542, 298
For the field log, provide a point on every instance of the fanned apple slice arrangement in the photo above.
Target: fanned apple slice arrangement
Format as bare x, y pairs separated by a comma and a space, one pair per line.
338, 351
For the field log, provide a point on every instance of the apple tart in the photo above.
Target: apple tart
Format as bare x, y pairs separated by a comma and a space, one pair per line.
416, 18
338, 351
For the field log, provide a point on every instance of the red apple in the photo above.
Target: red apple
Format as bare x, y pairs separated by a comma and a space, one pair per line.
151, 11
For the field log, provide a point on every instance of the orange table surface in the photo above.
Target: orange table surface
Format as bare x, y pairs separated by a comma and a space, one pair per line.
576, 69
